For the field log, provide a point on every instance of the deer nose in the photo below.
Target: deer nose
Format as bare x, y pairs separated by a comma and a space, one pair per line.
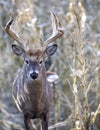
34, 75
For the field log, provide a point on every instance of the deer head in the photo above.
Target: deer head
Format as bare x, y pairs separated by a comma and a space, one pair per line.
34, 58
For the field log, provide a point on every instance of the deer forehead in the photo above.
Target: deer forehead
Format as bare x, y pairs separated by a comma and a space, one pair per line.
35, 54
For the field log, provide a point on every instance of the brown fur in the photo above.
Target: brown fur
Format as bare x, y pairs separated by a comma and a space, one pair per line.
33, 98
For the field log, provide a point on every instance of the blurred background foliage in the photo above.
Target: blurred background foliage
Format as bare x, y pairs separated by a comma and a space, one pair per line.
77, 60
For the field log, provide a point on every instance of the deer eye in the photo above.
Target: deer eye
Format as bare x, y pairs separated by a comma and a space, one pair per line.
27, 61
40, 62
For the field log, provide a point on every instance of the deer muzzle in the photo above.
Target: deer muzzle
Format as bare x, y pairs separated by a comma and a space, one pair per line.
34, 74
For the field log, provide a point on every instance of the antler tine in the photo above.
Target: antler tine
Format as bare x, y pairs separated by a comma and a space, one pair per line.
12, 34
41, 37
58, 31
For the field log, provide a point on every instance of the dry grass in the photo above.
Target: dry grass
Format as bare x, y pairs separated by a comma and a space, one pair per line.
77, 61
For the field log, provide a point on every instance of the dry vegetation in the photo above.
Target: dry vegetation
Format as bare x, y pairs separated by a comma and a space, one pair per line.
77, 61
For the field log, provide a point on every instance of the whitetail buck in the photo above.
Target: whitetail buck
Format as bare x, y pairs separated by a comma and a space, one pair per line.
32, 91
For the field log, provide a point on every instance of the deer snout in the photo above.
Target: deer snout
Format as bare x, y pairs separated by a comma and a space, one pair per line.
34, 74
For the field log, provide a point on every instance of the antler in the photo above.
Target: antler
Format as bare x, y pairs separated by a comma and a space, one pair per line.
58, 31
12, 34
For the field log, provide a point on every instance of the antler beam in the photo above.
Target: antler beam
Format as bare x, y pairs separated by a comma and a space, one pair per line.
12, 34
58, 31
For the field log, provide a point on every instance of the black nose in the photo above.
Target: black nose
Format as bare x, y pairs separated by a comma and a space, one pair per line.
34, 75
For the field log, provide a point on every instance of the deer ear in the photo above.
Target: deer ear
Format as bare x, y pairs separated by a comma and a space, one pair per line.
17, 50
51, 49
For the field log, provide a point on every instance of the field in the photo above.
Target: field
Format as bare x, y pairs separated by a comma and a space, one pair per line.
77, 60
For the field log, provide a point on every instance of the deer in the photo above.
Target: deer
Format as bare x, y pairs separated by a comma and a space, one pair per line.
31, 90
